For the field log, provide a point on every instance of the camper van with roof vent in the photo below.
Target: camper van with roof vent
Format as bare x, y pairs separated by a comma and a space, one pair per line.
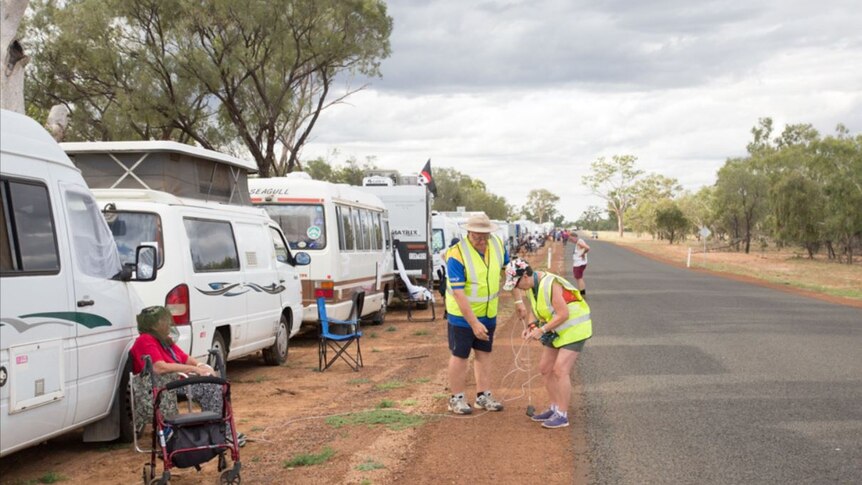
226, 272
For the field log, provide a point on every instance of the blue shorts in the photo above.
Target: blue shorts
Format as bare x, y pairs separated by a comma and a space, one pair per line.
461, 340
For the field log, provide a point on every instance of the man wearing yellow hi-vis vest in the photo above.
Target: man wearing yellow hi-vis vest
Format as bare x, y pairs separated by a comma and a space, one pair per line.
474, 267
562, 324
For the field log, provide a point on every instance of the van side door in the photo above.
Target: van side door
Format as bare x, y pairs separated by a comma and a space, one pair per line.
262, 281
104, 316
37, 334
216, 291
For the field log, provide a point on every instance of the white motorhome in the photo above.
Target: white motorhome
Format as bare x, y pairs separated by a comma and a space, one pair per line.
225, 271
409, 206
67, 313
346, 232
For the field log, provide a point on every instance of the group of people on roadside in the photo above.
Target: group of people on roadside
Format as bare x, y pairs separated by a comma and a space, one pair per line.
561, 318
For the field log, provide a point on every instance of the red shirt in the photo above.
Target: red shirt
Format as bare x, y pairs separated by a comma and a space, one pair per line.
146, 344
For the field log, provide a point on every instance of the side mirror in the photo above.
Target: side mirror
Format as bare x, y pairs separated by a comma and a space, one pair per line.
301, 259
145, 263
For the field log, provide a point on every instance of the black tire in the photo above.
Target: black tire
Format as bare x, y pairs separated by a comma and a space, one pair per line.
277, 353
127, 432
379, 317
220, 346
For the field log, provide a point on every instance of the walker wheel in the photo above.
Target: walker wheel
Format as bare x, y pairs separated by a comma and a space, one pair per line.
228, 478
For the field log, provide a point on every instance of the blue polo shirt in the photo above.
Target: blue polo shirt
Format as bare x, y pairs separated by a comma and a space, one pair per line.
458, 278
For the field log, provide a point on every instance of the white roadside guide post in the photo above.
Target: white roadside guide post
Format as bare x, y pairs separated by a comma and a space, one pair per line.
549, 257
704, 233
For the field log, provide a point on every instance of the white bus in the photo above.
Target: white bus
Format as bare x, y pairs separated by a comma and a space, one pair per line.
346, 233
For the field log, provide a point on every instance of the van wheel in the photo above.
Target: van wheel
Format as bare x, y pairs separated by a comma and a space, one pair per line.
219, 346
127, 431
380, 316
277, 354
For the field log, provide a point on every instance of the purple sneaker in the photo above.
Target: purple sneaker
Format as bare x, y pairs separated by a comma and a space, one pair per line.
556, 421
543, 416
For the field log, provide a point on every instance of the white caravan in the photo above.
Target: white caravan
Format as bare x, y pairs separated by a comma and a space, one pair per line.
225, 271
346, 232
409, 206
67, 315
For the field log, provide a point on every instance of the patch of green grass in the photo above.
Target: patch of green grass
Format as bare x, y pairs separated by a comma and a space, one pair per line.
391, 418
257, 429
361, 380
51, 477
389, 385
365, 481
368, 465
391, 328
408, 402
261, 378
439, 395
255, 459
310, 459
372, 335
422, 380
421, 333
375, 350
386, 403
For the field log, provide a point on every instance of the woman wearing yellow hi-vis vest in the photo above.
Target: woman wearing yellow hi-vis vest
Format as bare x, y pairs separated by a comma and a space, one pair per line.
563, 325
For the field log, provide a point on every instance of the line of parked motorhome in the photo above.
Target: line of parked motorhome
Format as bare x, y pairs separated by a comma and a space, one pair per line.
90, 233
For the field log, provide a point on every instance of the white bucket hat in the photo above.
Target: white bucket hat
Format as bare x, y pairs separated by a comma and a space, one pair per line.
480, 223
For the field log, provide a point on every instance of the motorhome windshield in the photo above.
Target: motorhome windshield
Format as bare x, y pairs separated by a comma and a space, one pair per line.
130, 229
304, 225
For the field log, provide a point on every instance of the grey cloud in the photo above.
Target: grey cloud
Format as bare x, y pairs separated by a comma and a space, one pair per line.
446, 46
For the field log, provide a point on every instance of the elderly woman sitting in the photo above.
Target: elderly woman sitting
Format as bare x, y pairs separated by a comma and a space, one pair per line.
157, 340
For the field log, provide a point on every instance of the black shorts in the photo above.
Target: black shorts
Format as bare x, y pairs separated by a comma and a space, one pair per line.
461, 340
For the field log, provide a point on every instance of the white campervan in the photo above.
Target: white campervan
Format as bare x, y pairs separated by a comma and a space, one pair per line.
67, 315
346, 232
225, 271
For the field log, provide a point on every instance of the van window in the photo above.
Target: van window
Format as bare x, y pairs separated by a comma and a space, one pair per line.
212, 245
304, 226
28, 238
367, 229
93, 246
130, 229
357, 225
282, 255
437, 240
347, 228
378, 231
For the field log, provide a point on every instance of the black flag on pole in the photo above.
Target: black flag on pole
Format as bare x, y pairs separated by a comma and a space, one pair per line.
427, 179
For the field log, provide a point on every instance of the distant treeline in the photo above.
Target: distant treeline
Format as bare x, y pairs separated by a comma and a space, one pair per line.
798, 188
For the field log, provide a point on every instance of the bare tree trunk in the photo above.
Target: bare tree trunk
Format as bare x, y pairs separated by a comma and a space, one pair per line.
620, 223
12, 57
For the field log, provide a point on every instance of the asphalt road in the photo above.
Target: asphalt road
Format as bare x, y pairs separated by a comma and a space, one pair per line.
696, 379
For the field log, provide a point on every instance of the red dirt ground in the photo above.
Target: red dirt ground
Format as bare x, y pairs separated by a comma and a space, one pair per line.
284, 412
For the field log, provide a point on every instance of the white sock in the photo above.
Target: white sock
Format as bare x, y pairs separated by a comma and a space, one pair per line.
564, 414
553, 407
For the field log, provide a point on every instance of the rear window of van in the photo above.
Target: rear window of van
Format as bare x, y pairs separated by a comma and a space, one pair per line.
131, 229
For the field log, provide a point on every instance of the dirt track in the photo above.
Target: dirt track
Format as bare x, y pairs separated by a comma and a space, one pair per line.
284, 412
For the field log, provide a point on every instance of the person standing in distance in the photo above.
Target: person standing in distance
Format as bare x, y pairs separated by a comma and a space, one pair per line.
472, 294
563, 324
579, 260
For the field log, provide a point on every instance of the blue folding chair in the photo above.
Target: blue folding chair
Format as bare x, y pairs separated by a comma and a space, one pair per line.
340, 336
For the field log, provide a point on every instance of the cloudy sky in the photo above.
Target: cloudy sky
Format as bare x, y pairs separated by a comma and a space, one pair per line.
526, 94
